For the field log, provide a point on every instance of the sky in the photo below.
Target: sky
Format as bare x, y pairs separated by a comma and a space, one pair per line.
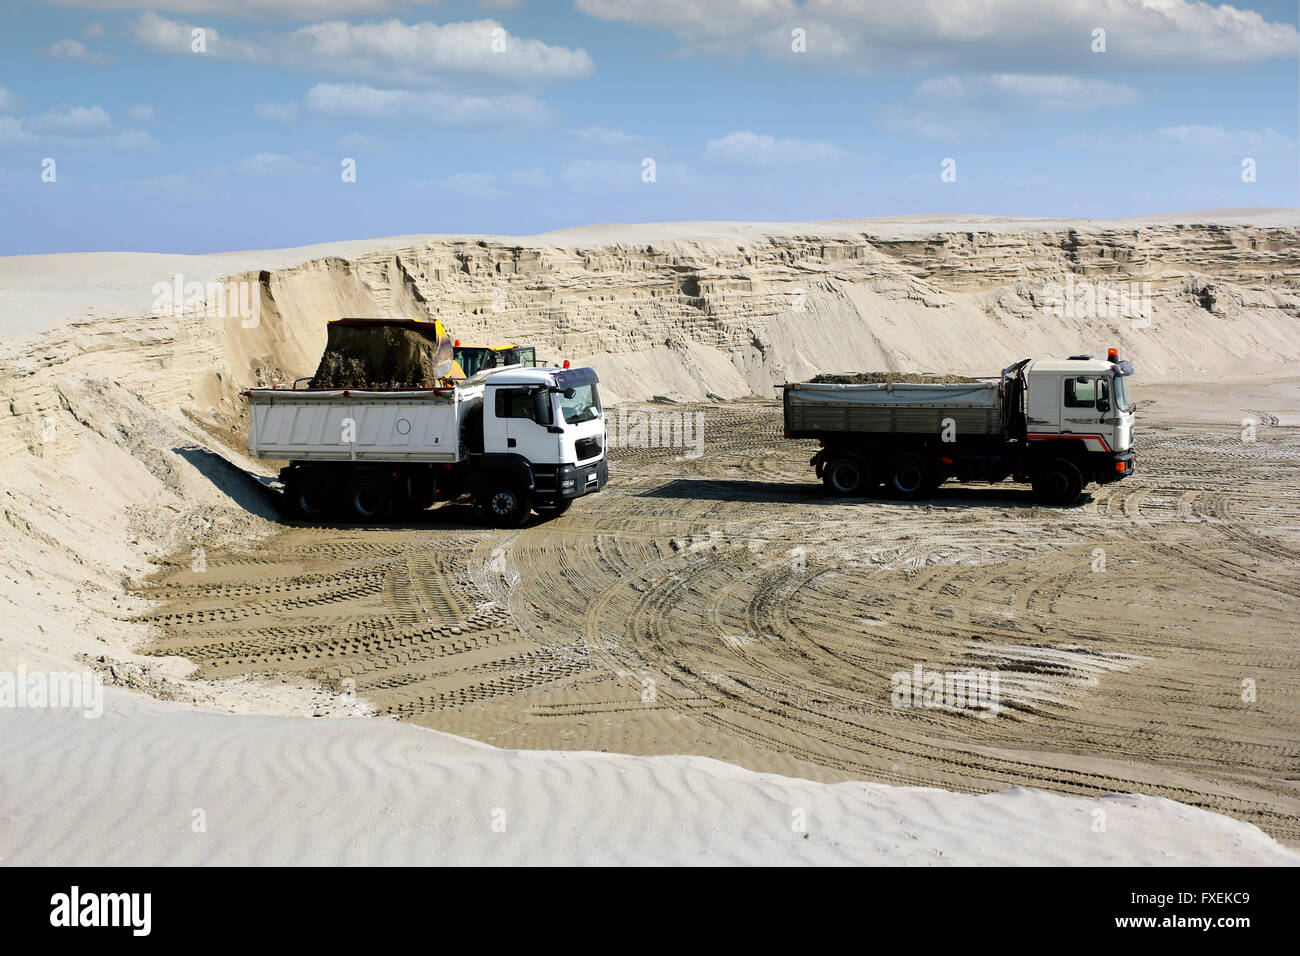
191, 126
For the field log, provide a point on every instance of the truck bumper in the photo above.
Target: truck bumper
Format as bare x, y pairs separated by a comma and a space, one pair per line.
574, 481
1121, 466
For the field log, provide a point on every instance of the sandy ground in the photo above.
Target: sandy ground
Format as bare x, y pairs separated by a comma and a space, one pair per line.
676, 614
674, 618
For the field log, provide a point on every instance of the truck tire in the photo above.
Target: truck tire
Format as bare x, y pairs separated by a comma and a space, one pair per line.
911, 477
416, 494
369, 497
308, 495
1058, 482
505, 503
846, 476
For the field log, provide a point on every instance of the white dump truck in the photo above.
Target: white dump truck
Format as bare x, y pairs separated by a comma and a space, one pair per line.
1057, 423
516, 439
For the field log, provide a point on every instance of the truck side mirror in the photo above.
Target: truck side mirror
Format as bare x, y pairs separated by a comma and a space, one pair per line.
1103, 405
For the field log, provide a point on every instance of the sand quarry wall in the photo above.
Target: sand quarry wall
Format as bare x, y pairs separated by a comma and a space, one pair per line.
687, 318
116, 434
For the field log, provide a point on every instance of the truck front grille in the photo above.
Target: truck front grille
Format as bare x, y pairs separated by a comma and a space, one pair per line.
587, 448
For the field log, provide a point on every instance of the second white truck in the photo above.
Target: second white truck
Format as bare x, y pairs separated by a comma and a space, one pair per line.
1056, 423
515, 439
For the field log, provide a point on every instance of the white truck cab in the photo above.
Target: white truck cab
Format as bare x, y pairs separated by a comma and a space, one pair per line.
1080, 398
549, 419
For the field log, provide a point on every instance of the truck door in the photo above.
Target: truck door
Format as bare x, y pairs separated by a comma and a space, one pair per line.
1086, 408
1043, 407
516, 407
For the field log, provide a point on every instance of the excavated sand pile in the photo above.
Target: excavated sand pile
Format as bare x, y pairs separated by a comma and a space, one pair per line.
380, 355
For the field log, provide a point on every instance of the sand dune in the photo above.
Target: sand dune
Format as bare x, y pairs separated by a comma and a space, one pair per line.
133, 785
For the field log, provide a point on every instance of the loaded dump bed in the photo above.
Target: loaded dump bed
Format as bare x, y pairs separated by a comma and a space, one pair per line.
360, 424
820, 410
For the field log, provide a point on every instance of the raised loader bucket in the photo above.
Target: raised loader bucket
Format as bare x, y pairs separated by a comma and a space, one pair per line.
384, 353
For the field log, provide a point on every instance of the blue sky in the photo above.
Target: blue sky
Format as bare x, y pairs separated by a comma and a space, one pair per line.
520, 117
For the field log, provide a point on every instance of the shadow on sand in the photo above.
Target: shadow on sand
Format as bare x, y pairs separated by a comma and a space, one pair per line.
724, 489
251, 492
264, 498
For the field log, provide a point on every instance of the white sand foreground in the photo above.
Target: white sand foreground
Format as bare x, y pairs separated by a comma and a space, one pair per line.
131, 786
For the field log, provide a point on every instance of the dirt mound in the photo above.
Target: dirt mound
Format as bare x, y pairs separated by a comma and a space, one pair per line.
383, 354
879, 378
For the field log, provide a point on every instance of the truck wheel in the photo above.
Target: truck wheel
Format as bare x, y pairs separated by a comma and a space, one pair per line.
1058, 482
417, 494
846, 476
370, 498
505, 504
911, 477
308, 495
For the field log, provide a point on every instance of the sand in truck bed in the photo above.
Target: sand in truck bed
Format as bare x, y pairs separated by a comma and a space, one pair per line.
383, 354
880, 378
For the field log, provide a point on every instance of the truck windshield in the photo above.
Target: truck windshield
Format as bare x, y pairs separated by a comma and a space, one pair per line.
583, 407
473, 360
1122, 402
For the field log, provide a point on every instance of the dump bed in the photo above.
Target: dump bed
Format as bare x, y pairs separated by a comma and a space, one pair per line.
359, 424
815, 410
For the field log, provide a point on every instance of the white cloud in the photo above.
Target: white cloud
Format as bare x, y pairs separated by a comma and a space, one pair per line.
363, 143
260, 9
406, 53
269, 164
173, 36
931, 126
585, 175
954, 107
70, 128
10, 102
582, 174
1211, 136
72, 119
433, 106
1029, 90
529, 178
277, 112
488, 185
391, 51
174, 185
35, 133
858, 36
1182, 141
743, 148
609, 140
471, 185
70, 49
141, 114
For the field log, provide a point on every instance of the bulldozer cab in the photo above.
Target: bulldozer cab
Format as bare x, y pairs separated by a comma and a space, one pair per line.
471, 359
